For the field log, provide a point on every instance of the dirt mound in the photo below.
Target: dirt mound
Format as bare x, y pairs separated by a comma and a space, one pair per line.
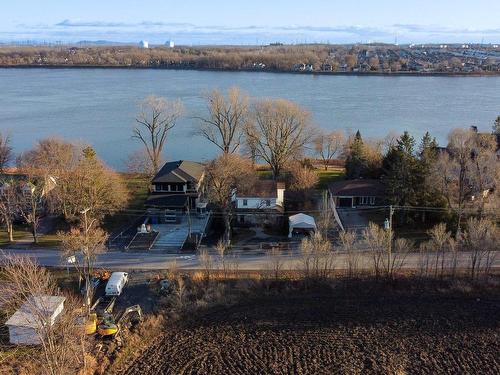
328, 333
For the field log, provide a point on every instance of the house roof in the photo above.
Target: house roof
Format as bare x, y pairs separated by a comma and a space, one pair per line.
262, 189
180, 171
357, 188
26, 316
167, 201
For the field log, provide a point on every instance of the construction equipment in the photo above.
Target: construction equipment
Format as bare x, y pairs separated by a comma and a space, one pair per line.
102, 274
91, 324
111, 326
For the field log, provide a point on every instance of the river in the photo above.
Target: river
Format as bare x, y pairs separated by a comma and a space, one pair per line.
98, 106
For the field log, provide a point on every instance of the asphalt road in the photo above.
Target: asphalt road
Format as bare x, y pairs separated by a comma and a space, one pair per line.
157, 261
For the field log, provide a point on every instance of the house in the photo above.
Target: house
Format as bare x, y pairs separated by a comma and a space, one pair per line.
27, 323
263, 202
357, 193
177, 187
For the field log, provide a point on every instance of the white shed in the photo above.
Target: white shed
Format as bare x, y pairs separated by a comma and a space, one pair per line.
26, 323
301, 222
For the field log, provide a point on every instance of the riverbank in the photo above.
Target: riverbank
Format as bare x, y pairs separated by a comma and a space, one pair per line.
275, 71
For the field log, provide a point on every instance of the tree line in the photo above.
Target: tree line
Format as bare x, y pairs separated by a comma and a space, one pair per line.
463, 175
320, 57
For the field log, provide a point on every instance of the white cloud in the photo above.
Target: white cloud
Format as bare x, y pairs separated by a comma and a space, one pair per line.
187, 33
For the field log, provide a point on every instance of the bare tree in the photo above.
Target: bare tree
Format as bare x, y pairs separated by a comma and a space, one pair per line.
138, 163
6, 155
280, 132
221, 248
379, 242
180, 293
206, 263
484, 168
62, 342
85, 243
52, 156
156, 118
227, 120
30, 195
328, 145
424, 258
90, 185
225, 175
275, 262
316, 257
460, 146
301, 177
8, 206
439, 238
52, 160
348, 240
396, 258
481, 240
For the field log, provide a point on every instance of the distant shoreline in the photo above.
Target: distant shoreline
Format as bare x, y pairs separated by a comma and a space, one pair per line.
384, 74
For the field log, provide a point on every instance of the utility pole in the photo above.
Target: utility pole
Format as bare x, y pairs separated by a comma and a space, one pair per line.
388, 227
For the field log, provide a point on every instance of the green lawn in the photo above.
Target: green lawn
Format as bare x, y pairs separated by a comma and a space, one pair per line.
18, 234
329, 176
48, 240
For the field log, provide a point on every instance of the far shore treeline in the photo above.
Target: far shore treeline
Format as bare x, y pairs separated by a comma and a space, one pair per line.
312, 58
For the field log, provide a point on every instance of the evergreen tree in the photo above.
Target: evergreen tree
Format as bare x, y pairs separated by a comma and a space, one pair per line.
356, 162
496, 126
428, 194
401, 170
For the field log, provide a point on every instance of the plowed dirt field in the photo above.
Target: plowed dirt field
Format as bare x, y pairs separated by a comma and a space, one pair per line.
324, 332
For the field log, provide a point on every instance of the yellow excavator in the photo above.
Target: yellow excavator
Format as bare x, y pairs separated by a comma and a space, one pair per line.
109, 326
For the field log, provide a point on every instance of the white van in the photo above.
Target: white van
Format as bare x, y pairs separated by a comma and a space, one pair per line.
116, 283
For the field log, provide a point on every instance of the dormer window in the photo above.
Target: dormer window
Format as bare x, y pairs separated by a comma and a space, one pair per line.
245, 202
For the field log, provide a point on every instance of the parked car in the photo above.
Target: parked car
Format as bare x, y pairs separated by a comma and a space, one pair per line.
116, 283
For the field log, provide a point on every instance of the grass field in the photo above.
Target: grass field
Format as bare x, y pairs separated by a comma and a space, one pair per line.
325, 177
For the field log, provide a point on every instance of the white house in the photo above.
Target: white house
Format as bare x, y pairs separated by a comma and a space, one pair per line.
261, 203
144, 44
26, 325
170, 43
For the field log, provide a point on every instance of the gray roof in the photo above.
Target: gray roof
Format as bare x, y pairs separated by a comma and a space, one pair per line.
26, 316
358, 188
180, 171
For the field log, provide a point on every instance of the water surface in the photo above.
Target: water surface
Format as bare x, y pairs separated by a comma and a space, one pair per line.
98, 106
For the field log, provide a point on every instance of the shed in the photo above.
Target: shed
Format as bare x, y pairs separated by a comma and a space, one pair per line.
26, 323
301, 222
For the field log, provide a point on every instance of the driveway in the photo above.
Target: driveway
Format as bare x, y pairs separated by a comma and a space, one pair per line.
353, 219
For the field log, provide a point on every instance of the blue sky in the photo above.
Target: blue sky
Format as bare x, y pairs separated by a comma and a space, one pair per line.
250, 22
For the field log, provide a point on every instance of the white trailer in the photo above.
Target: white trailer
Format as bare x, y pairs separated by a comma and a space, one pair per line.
116, 283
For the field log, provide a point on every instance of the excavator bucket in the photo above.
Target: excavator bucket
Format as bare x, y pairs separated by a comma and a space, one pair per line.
91, 324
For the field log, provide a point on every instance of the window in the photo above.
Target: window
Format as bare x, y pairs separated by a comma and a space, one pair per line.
268, 202
245, 202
